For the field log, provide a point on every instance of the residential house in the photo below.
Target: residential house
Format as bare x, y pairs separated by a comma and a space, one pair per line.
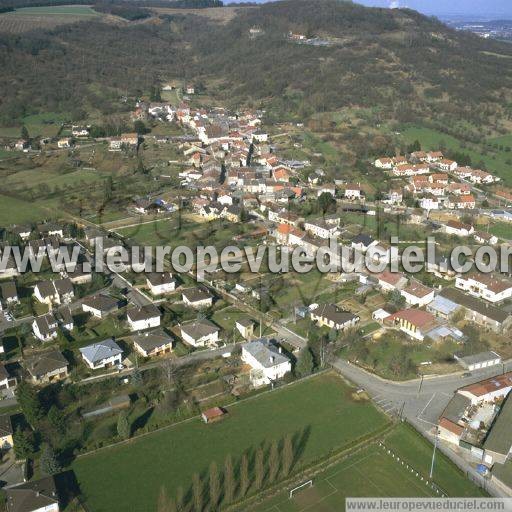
267, 361
145, 317
383, 163
160, 284
197, 298
104, 354
353, 191
6, 380
151, 344
454, 227
332, 316
491, 287
55, 292
47, 367
45, 327
363, 242
200, 333
245, 327
482, 313
321, 228
446, 165
33, 496
64, 143
443, 307
288, 235
99, 305
482, 237
389, 281
416, 323
416, 294
434, 156
461, 202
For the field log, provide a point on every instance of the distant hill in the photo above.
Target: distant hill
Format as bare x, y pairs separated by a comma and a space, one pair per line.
408, 65
398, 59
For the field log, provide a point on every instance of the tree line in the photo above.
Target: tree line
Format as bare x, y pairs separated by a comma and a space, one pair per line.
236, 480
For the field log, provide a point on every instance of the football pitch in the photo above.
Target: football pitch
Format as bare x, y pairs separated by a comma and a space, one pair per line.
372, 472
377, 471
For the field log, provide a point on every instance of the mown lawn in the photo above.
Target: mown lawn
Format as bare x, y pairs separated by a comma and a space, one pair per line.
373, 472
319, 413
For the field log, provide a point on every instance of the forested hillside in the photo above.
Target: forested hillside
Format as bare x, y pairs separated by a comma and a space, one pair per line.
407, 64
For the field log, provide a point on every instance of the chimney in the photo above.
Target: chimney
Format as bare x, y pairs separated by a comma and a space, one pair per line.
272, 359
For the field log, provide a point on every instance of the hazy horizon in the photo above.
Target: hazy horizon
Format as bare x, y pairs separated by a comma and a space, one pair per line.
491, 8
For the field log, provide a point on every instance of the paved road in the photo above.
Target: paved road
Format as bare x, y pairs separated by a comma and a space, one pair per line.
421, 402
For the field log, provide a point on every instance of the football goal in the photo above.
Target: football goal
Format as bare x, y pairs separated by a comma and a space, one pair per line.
300, 487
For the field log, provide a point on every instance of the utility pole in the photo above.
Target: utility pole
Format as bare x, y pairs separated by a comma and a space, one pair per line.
420, 386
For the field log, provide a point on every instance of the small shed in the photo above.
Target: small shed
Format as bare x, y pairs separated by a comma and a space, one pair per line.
212, 415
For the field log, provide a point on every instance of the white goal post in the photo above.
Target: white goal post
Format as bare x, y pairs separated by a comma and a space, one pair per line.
309, 483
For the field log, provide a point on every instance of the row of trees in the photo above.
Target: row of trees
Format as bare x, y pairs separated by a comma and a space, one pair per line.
264, 467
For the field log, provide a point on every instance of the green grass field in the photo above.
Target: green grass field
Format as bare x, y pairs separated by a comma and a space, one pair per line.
497, 160
320, 412
160, 232
44, 125
373, 472
16, 211
502, 230
72, 10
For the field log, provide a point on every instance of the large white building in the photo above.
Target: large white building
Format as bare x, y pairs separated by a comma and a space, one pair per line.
490, 287
266, 360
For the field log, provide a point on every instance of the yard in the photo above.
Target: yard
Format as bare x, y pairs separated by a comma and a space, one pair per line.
375, 472
319, 411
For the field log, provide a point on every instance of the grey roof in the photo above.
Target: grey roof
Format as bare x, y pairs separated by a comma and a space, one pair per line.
443, 305
33, 495
158, 279
334, 313
471, 303
456, 407
46, 288
102, 350
499, 438
41, 364
46, 323
150, 340
199, 328
196, 294
101, 302
143, 313
65, 316
63, 286
245, 322
482, 357
265, 352
366, 240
